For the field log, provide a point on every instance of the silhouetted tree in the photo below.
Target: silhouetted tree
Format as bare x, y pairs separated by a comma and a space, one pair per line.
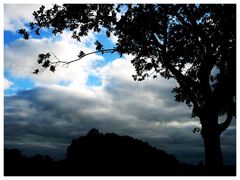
194, 44
99, 151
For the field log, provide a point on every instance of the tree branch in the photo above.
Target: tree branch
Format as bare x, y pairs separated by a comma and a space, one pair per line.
94, 52
44, 61
222, 127
185, 82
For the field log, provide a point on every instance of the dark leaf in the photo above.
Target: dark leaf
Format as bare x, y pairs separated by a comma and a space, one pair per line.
36, 71
81, 54
46, 64
31, 24
148, 66
24, 33
40, 61
98, 46
37, 31
108, 34
52, 68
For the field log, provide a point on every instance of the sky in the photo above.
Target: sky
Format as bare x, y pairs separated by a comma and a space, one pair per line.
43, 113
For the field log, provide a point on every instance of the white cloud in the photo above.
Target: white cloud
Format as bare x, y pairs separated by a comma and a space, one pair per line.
113, 38
16, 15
7, 84
120, 69
21, 59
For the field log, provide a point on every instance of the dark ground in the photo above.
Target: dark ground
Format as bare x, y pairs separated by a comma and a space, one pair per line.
98, 154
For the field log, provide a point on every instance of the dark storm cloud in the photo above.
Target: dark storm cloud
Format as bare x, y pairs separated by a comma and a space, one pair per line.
45, 120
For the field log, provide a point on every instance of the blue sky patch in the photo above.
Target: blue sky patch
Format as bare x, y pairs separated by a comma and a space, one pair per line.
18, 83
94, 81
107, 44
10, 37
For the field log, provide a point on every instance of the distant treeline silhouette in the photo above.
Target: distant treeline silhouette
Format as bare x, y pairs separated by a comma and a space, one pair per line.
104, 154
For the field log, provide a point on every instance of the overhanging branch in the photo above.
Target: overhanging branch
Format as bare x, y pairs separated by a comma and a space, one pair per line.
94, 52
44, 60
226, 123
185, 82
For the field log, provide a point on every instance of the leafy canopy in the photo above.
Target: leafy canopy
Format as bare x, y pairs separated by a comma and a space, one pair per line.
194, 44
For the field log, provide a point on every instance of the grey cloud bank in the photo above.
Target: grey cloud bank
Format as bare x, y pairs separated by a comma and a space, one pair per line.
45, 120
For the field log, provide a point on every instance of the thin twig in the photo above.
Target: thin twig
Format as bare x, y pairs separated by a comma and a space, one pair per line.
69, 62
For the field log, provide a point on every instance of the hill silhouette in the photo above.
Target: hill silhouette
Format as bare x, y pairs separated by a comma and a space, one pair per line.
114, 151
103, 154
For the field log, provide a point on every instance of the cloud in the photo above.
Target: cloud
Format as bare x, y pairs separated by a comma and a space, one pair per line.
49, 114
113, 38
21, 59
7, 84
47, 119
17, 15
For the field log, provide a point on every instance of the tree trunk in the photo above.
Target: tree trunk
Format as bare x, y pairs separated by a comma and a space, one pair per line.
211, 137
213, 153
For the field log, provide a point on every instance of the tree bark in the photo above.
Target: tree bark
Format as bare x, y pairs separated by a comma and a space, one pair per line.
213, 153
211, 137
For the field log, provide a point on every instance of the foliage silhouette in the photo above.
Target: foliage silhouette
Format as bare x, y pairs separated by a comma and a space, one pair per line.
104, 154
194, 44
107, 149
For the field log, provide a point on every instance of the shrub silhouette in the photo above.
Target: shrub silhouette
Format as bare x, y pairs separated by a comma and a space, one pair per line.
12, 157
111, 150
